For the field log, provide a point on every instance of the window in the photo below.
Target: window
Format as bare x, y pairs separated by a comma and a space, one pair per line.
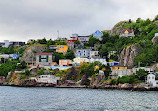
152, 77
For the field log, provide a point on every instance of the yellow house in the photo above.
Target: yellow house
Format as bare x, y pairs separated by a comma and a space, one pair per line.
59, 48
119, 67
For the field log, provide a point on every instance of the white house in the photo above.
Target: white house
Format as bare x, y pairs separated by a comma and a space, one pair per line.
151, 81
79, 60
150, 70
102, 60
82, 53
120, 72
46, 79
83, 39
94, 54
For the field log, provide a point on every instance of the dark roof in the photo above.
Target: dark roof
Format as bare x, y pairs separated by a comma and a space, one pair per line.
44, 53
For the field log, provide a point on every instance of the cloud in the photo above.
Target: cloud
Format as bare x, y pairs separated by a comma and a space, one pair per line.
25, 19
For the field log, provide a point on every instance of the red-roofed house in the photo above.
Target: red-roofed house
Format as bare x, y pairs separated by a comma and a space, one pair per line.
72, 40
127, 33
44, 59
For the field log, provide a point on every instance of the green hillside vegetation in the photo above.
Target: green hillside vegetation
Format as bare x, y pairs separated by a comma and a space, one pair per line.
144, 31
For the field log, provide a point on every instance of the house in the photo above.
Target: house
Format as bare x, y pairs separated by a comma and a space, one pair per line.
30, 40
120, 72
94, 54
61, 39
72, 40
127, 33
83, 39
83, 53
79, 60
59, 48
48, 79
102, 60
150, 70
98, 34
118, 67
16, 43
113, 64
65, 62
151, 80
44, 59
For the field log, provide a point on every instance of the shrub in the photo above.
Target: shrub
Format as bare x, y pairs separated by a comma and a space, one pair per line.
23, 76
27, 72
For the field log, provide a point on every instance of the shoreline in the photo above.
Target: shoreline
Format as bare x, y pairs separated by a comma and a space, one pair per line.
88, 87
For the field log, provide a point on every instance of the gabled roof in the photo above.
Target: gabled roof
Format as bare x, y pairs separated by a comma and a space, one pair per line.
126, 31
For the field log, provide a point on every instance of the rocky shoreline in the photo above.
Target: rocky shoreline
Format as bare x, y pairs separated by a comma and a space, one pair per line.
111, 87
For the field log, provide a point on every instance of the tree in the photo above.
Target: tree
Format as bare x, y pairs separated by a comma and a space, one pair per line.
50, 42
40, 71
141, 74
58, 56
43, 41
77, 42
105, 37
27, 72
103, 52
107, 71
93, 41
156, 18
70, 54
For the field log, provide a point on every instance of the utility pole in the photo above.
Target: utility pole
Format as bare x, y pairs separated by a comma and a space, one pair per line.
58, 33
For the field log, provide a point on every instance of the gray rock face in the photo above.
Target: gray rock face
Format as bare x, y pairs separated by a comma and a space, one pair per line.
155, 40
118, 28
96, 80
128, 55
30, 53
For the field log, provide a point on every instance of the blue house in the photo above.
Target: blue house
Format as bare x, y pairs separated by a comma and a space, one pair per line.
98, 34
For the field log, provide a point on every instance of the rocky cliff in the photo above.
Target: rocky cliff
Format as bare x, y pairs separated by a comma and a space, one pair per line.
155, 40
119, 27
30, 52
128, 55
97, 81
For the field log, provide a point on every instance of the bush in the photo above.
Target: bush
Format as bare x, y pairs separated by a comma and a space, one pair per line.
40, 71
27, 72
23, 76
112, 82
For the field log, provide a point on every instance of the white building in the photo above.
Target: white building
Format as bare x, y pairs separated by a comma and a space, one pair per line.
46, 79
82, 53
6, 42
150, 70
102, 60
94, 54
83, 39
79, 60
151, 81
120, 72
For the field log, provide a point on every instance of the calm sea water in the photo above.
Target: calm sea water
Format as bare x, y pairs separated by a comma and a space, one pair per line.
62, 99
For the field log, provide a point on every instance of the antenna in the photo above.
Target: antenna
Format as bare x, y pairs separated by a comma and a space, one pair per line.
58, 33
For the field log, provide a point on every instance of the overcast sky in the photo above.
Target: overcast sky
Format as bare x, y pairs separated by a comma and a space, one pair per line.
34, 19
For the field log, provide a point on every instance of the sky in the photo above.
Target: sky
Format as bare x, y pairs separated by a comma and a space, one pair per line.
21, 20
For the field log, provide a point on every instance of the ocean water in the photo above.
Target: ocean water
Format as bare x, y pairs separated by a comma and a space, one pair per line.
71, 99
